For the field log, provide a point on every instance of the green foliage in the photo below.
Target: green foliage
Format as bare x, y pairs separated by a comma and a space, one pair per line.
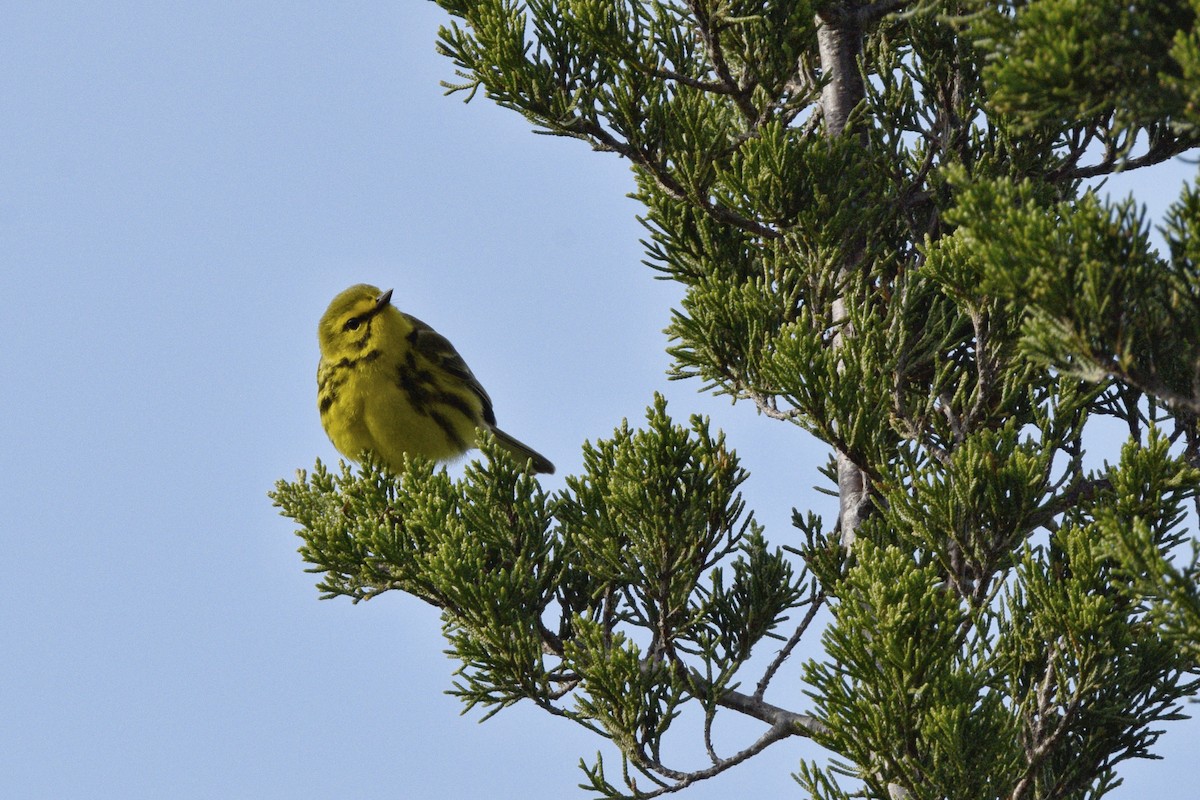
1143, 529
906, 671
1078, 648
1098, 300
933, 294
1040, 683
544, 597
1185, 51
1060, 62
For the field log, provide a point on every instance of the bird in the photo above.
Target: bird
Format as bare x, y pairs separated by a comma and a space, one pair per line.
390, 385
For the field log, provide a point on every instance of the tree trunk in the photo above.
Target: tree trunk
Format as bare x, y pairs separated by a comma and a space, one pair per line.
840, 44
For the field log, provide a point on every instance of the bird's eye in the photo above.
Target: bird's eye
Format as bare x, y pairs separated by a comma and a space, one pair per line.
353, 323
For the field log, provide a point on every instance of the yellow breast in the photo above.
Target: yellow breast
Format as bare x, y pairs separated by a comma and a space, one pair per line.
375, 405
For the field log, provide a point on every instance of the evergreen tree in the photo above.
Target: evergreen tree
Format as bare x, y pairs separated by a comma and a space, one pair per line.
881, 216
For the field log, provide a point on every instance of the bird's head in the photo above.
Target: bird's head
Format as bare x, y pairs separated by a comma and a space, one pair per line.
348, 325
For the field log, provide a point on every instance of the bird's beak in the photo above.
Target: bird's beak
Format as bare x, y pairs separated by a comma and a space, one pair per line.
383, 300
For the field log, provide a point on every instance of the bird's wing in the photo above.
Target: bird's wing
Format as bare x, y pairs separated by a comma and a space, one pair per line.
437, 348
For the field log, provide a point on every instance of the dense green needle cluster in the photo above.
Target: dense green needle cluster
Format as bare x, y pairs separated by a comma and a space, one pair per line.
884, 220
640, 586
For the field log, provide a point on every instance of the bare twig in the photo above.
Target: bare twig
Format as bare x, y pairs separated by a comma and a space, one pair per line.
602, 140
711, 37
1163, 146
775, 733
880, 8
1040, 745
815, 603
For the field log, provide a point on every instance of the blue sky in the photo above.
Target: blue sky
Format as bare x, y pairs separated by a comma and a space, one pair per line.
183, 191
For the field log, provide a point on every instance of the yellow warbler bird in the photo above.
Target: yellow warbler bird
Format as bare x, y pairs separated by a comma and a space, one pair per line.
389, 384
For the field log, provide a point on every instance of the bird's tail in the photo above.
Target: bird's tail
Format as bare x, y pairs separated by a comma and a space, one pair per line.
523, 451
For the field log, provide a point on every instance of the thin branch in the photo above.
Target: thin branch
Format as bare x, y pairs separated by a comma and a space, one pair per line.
850, 14
1041, 745
770, 408
1163, 146
880, 9
1159, 390
816, 601
987, 367
790, 723
710, 714
713, 87
712, 43
775, 733
1081, 492
604, 141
